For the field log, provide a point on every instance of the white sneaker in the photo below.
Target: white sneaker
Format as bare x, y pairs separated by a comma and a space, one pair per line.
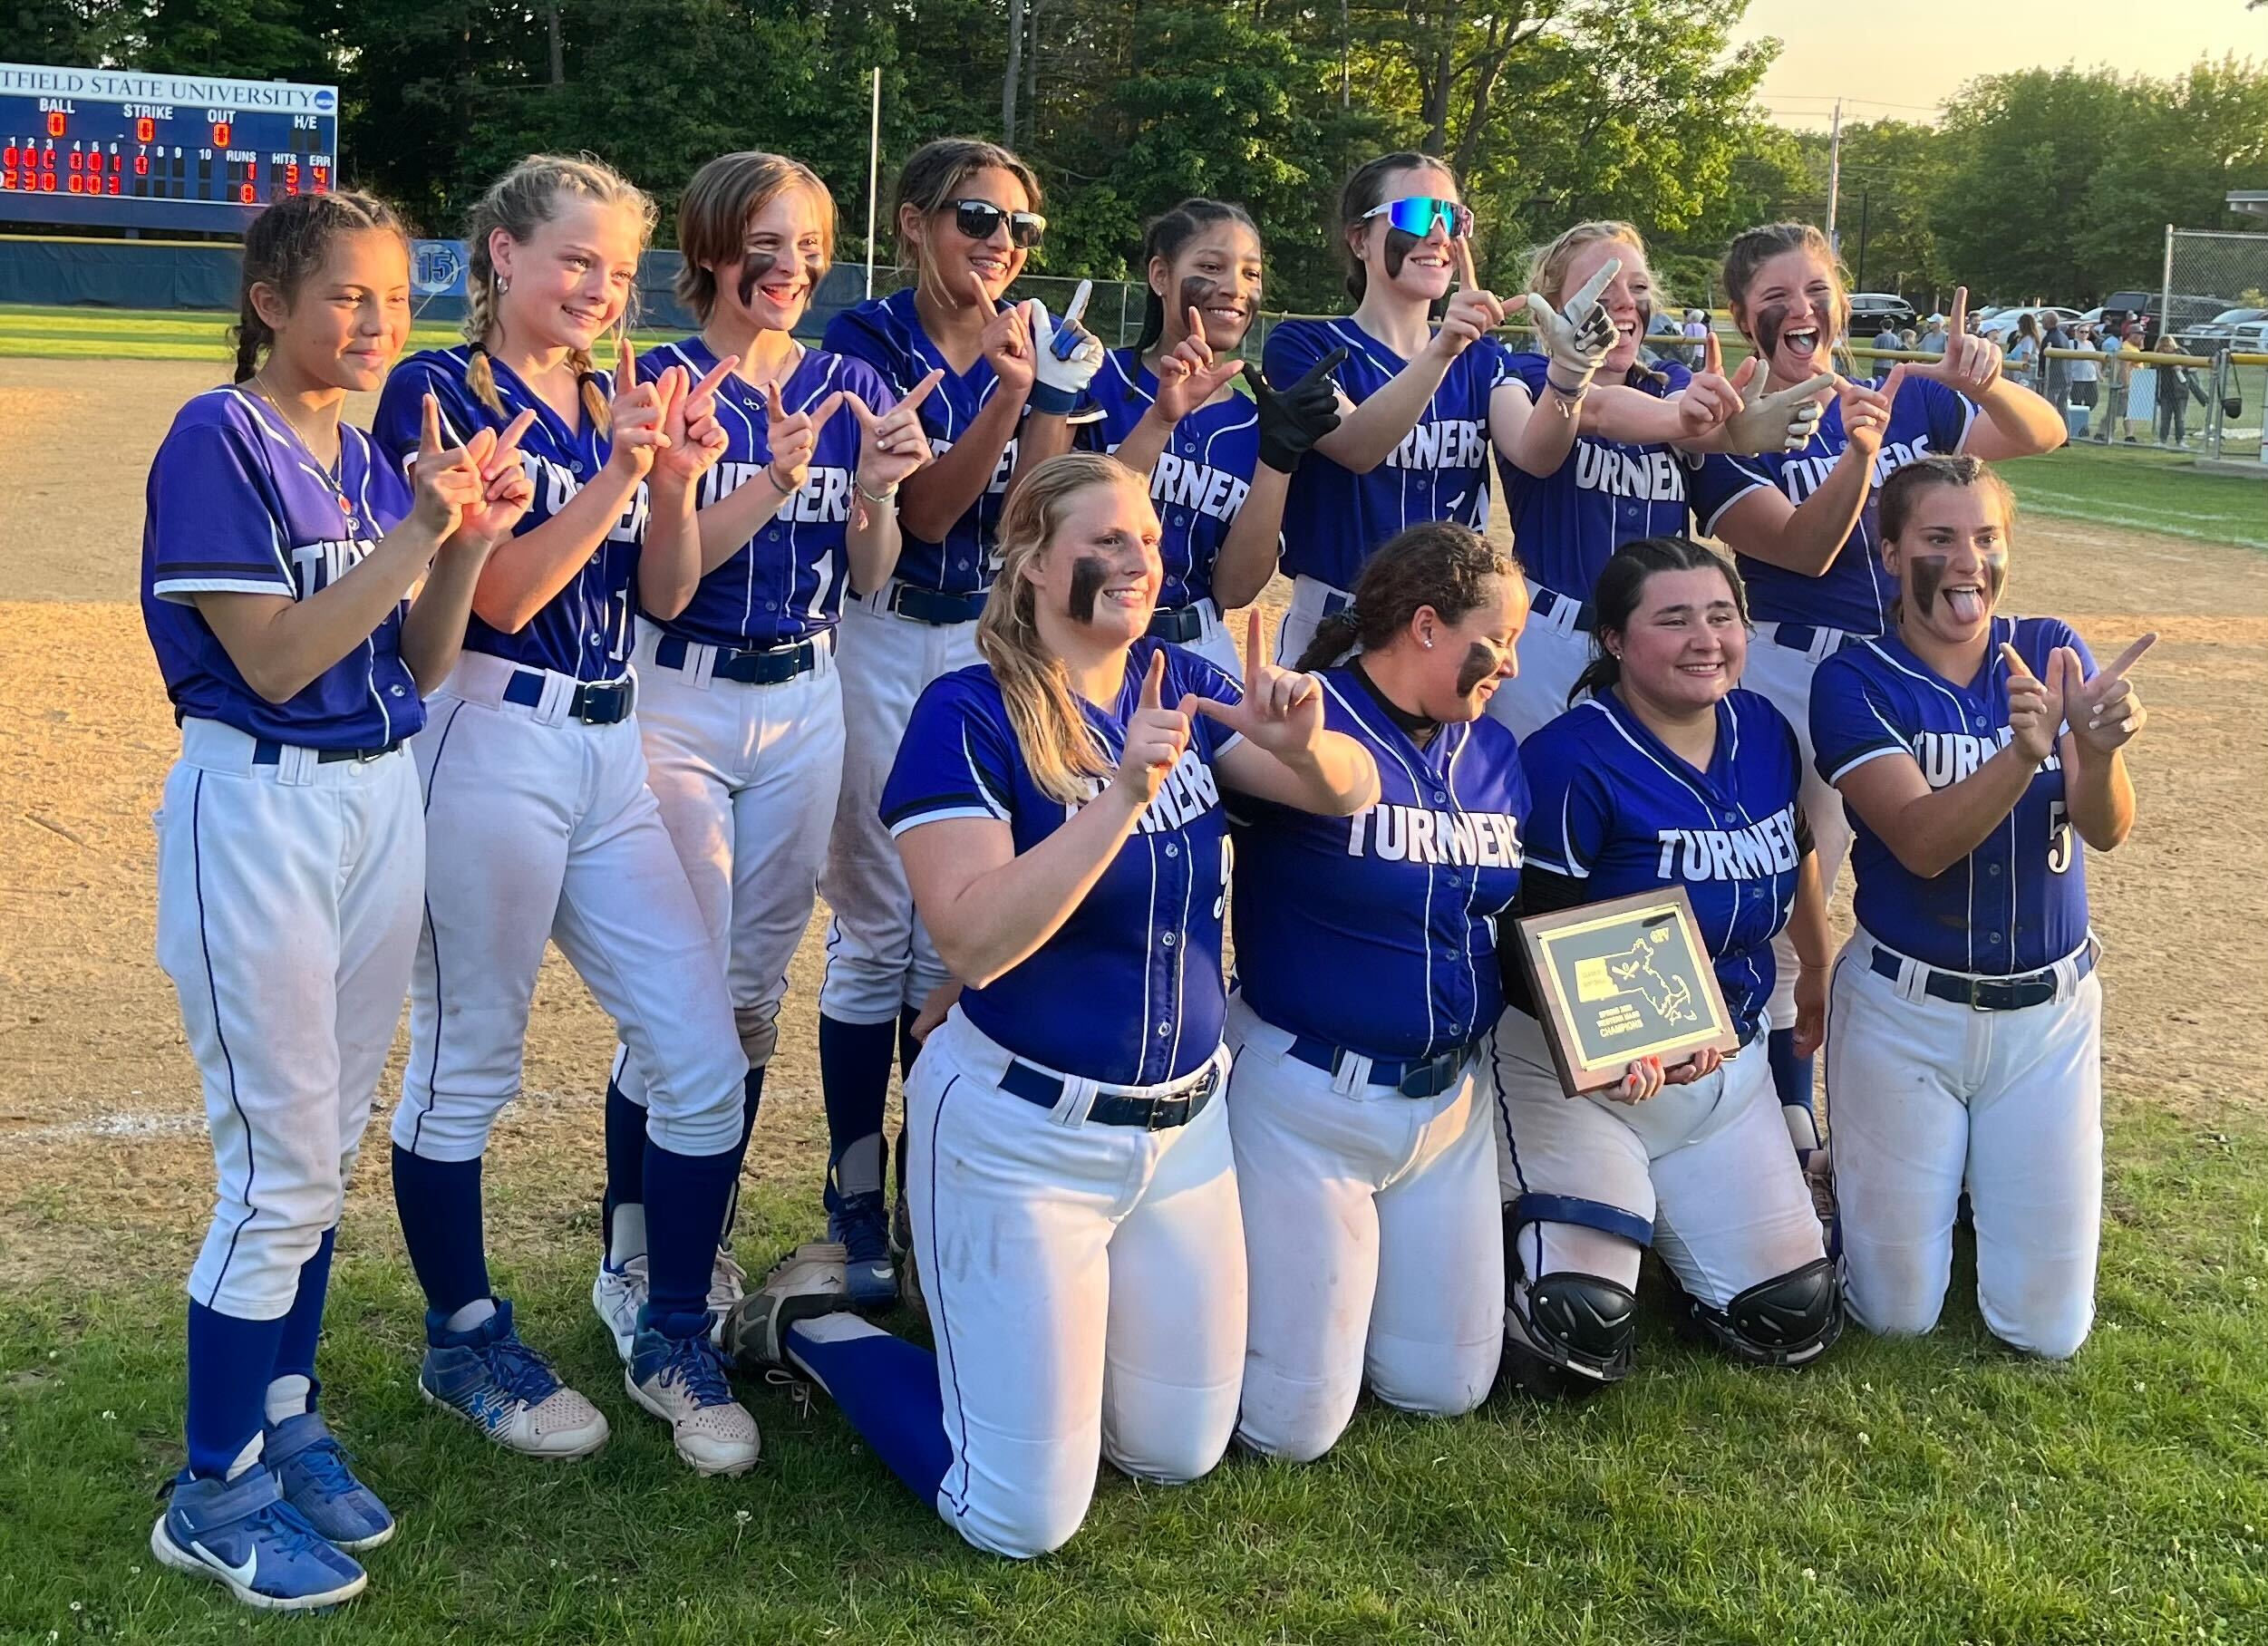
728, 1283
616, 1296
681, 1380
808, 1283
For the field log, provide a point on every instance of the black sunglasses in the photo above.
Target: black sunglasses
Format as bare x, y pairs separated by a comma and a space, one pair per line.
981, 221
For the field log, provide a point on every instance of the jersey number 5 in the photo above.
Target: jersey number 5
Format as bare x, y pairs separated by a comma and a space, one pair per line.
2059, 837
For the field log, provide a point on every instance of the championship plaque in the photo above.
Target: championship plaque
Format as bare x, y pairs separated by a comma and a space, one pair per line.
1621, 980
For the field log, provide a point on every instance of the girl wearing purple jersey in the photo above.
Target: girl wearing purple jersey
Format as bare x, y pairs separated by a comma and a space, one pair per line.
1218, 462
300, 597
1666, 776
1419, 403
1358, 1100
741, 708
1813, 589
1966, 1049
543, 826
1073, 1191
967, 218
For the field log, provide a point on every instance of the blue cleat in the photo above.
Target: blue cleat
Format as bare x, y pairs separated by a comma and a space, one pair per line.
311, 1466
243, 1535
506, 1391
860, 1224
681, 1380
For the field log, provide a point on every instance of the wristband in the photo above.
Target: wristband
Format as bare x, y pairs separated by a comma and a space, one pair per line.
883, 496
1052, 401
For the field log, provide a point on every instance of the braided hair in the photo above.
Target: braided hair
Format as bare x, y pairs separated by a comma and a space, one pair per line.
1440, 564
1168, 233
289, 242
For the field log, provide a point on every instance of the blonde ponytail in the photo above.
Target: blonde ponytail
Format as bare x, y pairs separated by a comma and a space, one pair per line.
1060, 748
520, 202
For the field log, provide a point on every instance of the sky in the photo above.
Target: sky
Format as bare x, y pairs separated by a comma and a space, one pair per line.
1916, 53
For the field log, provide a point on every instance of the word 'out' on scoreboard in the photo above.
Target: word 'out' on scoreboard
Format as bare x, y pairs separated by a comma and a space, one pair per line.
122, 148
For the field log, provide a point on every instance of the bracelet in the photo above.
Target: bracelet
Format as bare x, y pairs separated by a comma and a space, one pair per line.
883, 496
771, 474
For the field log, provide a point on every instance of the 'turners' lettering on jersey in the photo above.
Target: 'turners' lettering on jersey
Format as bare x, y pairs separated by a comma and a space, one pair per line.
1654, 476
317, 566
1799, 477
824, 496
1414, 834
1188, 793
1455, 442
939, 446
1946, 758
1177, 483
556, 484
1758, 852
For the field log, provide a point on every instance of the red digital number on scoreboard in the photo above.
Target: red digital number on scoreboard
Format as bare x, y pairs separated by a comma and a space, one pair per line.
145, 130
221, 134
54, 125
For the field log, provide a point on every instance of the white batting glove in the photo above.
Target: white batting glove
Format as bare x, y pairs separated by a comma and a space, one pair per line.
1067, 353
1575, 339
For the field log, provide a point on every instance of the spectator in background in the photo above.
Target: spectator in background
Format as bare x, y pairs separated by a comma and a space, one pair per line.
1696, 338
2055, 371
1934, 339
1886, 338
2141, 408
1905, 340
2022, 363
2172, 389
2084, 375
2114, 383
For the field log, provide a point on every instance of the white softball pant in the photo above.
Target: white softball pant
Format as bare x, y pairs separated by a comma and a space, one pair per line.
1783, 674
1372, 1239
287, 914
746, 776
541, 827
1930, 1096
1086, 1289
1551, 654
1312, 600
1705, 1168
880, 960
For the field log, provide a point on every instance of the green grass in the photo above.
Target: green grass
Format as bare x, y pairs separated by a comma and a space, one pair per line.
1940, 1490
2145, 490
27, 332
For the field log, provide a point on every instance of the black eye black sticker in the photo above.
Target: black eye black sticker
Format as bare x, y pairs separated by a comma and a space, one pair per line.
754, 267
1481, 662
1088, 574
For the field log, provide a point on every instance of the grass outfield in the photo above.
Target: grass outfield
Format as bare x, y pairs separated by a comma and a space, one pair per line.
2144, 490
105, 333
1941, 1490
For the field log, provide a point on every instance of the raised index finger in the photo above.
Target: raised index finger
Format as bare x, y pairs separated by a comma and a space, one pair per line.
429, 439
1465, 274
2127, 659
921, 390
1078, 304
626, 362
2017, 667
1252, 645
1580, 303
1712, 351
1957, 321
707, 386
508, 441
1154, 682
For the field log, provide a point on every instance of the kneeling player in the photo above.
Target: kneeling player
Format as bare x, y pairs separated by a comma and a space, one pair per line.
1968, 1023
1666, 776
1359, 1106
1073, 1192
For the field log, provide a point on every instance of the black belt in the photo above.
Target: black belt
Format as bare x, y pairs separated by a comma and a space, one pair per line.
599, 702
1987, 994
1416, 1077
1548, 602
1179, 623
267, 751
928, 606
748, 668
1115, 1107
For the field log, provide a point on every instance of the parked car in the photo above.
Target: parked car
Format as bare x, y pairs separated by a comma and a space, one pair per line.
2000, 324
2185, 312
2246, 338
2222, 326
1869, 310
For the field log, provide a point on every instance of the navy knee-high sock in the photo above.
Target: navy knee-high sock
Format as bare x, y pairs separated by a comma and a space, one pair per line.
1791, 1078
625, 1174
908, 1048
439, 1204
855, 1082
751, 1100
296, 1350
887, 1388
230, 1361
684, 1211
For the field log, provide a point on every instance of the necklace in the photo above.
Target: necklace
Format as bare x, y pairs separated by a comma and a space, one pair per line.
327, 473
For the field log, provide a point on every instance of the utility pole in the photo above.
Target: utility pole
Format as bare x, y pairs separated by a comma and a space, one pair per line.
1834, 172
1009, 81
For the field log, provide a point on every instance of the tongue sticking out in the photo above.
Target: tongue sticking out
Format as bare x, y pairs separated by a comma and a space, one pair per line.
1966, 604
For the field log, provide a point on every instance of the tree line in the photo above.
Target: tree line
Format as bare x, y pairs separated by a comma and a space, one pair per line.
2053, 183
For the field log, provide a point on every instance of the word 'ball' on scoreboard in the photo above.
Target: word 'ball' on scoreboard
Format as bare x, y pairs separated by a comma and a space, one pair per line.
119, 147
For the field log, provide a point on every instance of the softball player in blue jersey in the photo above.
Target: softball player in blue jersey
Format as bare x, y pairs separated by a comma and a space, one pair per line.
543, 826
1648, 456
740, 706
967, 217
1980, 756
1359, 1097
280, 555
1667, 775
1073, 1194
1814, 588
1218, 462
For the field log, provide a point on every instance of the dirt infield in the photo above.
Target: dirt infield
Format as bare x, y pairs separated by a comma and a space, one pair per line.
104, 1170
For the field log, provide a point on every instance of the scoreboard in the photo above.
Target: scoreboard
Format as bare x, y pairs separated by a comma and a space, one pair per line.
122, 148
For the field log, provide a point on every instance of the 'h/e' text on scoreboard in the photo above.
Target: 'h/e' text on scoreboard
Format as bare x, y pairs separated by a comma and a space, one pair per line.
122, 148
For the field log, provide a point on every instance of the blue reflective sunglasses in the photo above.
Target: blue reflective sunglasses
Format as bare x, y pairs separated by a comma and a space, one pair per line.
1416, 214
